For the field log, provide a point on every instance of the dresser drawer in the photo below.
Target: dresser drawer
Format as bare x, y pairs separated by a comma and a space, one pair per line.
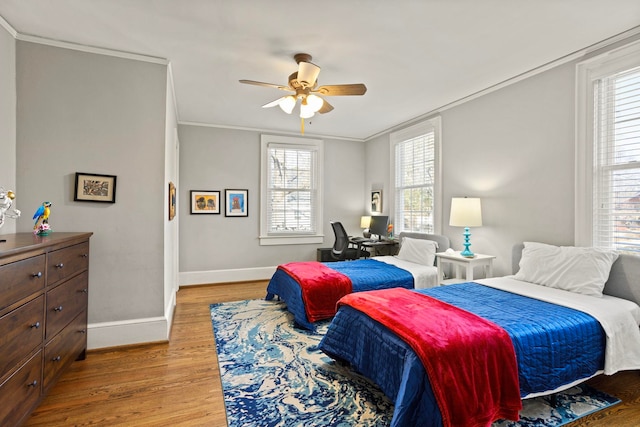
21, 278
21, 391
66, 262
22, 331
65, 348
65, 302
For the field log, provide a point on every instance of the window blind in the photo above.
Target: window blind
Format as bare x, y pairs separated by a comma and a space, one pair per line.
616, 189
291, 190
414, 183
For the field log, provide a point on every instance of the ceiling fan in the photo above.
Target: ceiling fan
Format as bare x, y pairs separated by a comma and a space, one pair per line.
304, 85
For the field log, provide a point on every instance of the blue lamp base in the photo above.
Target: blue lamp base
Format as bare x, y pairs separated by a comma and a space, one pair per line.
466, 252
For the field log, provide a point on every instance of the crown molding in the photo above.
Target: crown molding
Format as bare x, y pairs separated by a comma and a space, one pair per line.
92, 49
4, 24
527, 74
271, 131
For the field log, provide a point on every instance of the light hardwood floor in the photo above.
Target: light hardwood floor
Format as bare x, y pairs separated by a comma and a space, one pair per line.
178, 383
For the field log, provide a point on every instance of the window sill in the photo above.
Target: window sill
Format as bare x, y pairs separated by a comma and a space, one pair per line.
291, 240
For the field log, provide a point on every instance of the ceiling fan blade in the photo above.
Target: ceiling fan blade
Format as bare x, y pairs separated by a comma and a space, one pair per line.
253, 82
326, 107
273, 103
307, 74
341, 90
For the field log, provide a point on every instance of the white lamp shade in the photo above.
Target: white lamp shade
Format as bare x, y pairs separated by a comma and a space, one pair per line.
314, 102
365, 221
465, 212
287, 103
305, 110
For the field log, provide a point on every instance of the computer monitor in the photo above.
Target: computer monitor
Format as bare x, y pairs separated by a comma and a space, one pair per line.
379, 225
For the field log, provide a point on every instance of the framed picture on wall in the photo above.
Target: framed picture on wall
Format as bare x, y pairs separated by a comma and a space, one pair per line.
172, 200
92, 187
376, 201
205, 202
236, 202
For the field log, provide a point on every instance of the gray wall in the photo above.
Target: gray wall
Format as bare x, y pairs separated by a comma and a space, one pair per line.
513, 148
8, 121
83, 112
214, 159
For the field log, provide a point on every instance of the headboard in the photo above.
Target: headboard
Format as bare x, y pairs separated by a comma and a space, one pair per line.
443, 241
624, 278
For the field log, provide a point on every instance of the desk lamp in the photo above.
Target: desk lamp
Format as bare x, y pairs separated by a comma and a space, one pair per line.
466, 212
365, 222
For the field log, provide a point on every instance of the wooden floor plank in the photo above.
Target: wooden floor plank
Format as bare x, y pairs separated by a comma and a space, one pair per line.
178, 383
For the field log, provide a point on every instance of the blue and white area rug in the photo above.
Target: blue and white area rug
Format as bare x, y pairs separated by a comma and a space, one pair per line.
274, 375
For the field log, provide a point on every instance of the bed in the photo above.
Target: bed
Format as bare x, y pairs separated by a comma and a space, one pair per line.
312, 289
559, 337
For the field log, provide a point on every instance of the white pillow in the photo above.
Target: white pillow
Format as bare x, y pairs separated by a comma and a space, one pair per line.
420, 251
576, 269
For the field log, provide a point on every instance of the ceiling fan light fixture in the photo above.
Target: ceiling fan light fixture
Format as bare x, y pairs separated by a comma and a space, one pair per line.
306, 110
307, 74
314, 102
287, 103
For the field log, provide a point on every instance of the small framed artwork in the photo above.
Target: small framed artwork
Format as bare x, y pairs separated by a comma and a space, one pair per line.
205, 202
172, 200
92, 187
376, 201
236, 202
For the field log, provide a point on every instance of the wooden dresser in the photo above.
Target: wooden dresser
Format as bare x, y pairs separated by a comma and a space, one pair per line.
44, 284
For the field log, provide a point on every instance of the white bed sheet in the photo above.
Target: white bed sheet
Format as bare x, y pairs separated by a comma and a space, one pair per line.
619, 318
423, 276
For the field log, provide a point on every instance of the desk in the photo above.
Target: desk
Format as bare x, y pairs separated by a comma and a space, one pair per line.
460, 262
379, 247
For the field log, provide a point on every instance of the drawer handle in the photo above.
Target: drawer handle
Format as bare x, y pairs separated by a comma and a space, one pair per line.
38, 274
55, 359
84, 291
85, 255
59, 308
36, 325
59, 265
83, 331
32, 383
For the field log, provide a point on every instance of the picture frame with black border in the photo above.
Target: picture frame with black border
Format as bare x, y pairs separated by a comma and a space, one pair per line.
236, 203
93, 187
205, 202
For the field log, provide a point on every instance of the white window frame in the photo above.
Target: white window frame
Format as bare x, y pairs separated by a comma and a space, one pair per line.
267, 238
432, 124
587, 72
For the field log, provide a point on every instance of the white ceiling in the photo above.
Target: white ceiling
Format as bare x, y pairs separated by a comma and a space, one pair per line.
415, 56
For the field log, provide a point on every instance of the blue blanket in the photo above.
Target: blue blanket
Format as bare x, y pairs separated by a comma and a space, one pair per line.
365, 275
554, 346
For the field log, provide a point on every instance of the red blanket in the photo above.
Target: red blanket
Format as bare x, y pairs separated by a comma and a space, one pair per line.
321, 287
470, 361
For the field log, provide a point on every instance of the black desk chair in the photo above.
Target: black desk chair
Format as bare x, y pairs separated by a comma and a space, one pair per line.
341, 247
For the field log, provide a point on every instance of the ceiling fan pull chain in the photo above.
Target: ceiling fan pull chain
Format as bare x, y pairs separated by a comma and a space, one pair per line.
301, 126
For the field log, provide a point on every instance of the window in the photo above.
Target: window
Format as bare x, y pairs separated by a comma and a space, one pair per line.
415, 165
291, 194
608, 164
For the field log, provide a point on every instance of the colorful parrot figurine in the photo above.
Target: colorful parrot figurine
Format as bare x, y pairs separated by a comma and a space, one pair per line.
42, 215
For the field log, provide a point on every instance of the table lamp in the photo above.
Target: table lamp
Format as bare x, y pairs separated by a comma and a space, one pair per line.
365, 222
466, 212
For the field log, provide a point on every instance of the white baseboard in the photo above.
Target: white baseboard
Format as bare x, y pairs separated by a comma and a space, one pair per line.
188, 278
127, 332
157, 329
